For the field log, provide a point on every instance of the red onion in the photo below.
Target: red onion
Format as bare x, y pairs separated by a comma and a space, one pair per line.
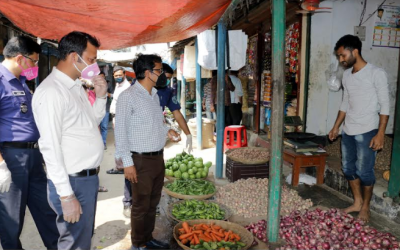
326, 246
356, 241
386, 243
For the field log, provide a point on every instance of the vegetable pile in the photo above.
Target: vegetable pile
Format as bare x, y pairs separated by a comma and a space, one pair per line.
249, 153
249, 198
194, 209
191, 187
331, 229
203, 236
259, 230
185, 166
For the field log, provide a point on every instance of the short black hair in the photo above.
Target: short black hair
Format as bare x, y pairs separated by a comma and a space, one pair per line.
76, 41
102, 73
214, 73
143, 63
118, 68
349, 42
21, 45
167, 69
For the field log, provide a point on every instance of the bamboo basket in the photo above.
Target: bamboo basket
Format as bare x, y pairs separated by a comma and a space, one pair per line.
185, 197
246, 237
170, 178
248, 161
228, 212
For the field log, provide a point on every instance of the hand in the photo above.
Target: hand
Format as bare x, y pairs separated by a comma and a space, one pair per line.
131, 174
333, 134
100, 86
212, 109
5, 177
189, 143
377, 142
71, 208
173, 135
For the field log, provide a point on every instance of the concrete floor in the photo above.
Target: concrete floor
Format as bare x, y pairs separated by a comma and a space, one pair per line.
112, 229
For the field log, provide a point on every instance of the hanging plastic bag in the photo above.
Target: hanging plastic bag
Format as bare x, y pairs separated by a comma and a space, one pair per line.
334, 76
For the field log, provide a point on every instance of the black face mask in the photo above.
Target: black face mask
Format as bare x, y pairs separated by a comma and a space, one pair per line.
161, 80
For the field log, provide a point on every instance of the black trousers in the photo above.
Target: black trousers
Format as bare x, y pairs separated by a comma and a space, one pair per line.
236, 113
228, 118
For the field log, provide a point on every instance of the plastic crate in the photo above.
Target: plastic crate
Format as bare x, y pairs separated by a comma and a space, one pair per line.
236, 170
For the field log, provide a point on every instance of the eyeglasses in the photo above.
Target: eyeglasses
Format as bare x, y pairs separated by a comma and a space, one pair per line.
34, 61
159, 70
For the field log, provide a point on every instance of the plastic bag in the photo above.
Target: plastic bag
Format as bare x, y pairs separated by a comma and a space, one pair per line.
334, 76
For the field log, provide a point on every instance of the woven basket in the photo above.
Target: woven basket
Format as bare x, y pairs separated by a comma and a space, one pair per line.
228, 212
185, 197
246, 237
247, 161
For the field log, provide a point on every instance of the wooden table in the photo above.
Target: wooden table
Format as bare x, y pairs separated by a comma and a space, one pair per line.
300, 160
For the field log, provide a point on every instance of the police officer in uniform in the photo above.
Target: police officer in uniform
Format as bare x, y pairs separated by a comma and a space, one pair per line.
23, 179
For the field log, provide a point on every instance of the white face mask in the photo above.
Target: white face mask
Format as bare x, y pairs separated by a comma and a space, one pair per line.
89, 71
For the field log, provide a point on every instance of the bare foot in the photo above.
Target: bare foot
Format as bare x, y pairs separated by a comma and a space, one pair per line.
353, 208
364, 214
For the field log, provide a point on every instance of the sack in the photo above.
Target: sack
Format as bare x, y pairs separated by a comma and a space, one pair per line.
334, 76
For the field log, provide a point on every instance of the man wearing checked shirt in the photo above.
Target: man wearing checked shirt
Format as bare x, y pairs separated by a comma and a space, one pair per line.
140, 137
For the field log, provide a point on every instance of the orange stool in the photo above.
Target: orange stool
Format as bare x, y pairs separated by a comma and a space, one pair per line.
233, 130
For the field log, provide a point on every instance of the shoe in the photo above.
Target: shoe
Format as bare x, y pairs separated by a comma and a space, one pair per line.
127, 211
155, 244
105, 147
115, 171
138, 248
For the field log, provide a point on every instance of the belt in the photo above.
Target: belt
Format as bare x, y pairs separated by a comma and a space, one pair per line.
149, 153
16, 144
86, 172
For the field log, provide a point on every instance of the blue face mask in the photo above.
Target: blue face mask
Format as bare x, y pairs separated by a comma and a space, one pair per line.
119, 79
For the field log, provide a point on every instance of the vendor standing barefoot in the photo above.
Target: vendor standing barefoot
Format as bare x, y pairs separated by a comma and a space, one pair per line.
365, 112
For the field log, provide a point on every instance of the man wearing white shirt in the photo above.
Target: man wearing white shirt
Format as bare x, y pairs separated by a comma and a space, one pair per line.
121, 84
235, 109
365, 112
70, 140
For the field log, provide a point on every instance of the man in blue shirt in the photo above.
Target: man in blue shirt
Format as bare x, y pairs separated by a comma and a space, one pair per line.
23, 179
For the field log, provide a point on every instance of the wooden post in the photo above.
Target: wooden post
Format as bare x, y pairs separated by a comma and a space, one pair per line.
199, 107
221, 99
183, 97
278, 96
394, 181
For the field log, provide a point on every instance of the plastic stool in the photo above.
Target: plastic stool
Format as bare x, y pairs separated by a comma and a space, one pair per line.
235, 130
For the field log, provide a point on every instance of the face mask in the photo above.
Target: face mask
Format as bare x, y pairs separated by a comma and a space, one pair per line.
161, 80
31, 72
166, 85
119, 79
89, 71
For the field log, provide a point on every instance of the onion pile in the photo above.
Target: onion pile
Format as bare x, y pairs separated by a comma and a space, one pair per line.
259, 230
331, 229
249, 198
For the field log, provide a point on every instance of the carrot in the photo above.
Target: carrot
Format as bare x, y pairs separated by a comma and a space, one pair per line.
196, 239
185, 226
192, 242
218, 233
226, 236
190, 237
208, 235
184, 241
217, 237
205, 227
217, 227
213, 237
237, 237
184, 236
197, 231
222, 248
205, 238
222, 231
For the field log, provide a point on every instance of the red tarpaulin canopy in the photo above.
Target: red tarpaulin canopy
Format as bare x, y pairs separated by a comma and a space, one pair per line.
116, 23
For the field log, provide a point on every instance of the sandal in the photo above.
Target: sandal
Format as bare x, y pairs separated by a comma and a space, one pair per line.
115, 171
102, 189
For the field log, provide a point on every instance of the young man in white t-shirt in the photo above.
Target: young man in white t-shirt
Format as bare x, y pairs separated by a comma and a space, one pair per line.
365, 112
